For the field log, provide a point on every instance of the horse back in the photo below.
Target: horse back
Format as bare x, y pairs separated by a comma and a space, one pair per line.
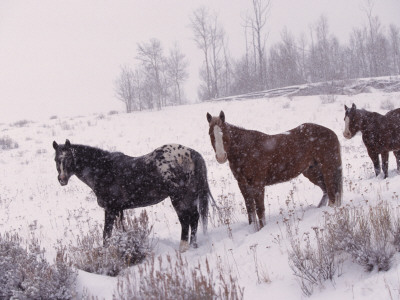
393, 129
281, 157
381, 132
148, 179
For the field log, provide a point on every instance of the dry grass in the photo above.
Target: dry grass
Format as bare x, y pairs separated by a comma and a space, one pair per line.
174, 279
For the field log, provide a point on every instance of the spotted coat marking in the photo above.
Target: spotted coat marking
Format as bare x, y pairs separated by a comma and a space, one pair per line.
172, 161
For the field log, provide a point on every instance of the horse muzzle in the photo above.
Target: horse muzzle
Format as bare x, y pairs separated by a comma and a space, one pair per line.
63, 180
347, 135
221, 158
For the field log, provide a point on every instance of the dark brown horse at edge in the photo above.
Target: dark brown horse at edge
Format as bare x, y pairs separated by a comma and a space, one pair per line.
380, 134
257, 160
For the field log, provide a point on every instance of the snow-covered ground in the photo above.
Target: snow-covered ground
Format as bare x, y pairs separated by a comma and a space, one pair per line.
32, 202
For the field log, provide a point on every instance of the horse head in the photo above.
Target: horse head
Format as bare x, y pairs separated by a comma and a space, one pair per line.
219, 136
65, 161
352, 121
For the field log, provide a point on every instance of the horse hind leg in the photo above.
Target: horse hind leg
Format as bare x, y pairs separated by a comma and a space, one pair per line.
314, 174
333, 178
260, 206
188, 218
194, 222
397, 155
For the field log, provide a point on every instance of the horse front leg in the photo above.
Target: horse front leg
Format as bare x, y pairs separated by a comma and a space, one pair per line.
249, 201
109, 219
375, 160
121, 219
385, 163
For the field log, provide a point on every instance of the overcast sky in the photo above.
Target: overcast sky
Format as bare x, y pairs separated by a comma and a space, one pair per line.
62, 57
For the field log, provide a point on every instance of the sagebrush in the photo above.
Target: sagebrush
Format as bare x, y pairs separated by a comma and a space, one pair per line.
25, 274
129, 244
369, 237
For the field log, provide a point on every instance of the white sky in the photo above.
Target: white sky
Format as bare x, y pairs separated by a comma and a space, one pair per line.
62, 57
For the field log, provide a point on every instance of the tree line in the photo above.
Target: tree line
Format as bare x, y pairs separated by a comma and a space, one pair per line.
157, 79
317, 55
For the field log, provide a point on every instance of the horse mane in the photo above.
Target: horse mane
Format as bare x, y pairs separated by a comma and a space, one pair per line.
365, 112
94, 150
92, 153
238, 129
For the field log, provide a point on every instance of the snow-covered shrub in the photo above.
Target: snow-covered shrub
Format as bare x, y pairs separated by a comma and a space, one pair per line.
368, 237
387, 104
328, 98
112, 112
175, 279
21, 123
312, 266
25, 274
286, 105
6, 143
125, 247
224, 212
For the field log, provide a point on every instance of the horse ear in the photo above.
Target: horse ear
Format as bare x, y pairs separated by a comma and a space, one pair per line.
222, 116
353, 106
67, 143
209, 117
345, 107
55, 145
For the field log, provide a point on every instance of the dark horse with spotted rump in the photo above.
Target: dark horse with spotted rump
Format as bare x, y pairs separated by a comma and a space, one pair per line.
380, 134
257, 160
122, 182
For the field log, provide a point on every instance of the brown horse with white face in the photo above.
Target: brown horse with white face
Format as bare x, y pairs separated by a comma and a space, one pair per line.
380, 134
257, 160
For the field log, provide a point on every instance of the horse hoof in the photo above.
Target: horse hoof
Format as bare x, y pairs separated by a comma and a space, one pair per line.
184, 246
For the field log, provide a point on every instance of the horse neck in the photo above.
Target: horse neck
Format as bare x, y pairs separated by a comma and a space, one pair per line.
236, 138
87, 158
367, 118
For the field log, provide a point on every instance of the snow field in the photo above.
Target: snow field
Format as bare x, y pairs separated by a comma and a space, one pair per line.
32, 203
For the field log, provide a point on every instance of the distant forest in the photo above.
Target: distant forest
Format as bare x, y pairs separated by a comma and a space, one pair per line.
157, 80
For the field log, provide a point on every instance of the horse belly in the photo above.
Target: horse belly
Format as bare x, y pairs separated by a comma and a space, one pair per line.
145, 195
281, 173
270, 172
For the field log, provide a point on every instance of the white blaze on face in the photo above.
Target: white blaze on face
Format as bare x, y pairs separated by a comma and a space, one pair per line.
346, 132
220, 152
62, 162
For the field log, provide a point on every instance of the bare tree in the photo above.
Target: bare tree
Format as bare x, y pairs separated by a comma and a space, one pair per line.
151, 56
261, 10
199, 23
394, 35
125, 88
177, 72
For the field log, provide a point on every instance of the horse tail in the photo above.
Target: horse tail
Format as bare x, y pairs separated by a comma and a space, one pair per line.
337, 172
204, 193
338, 178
